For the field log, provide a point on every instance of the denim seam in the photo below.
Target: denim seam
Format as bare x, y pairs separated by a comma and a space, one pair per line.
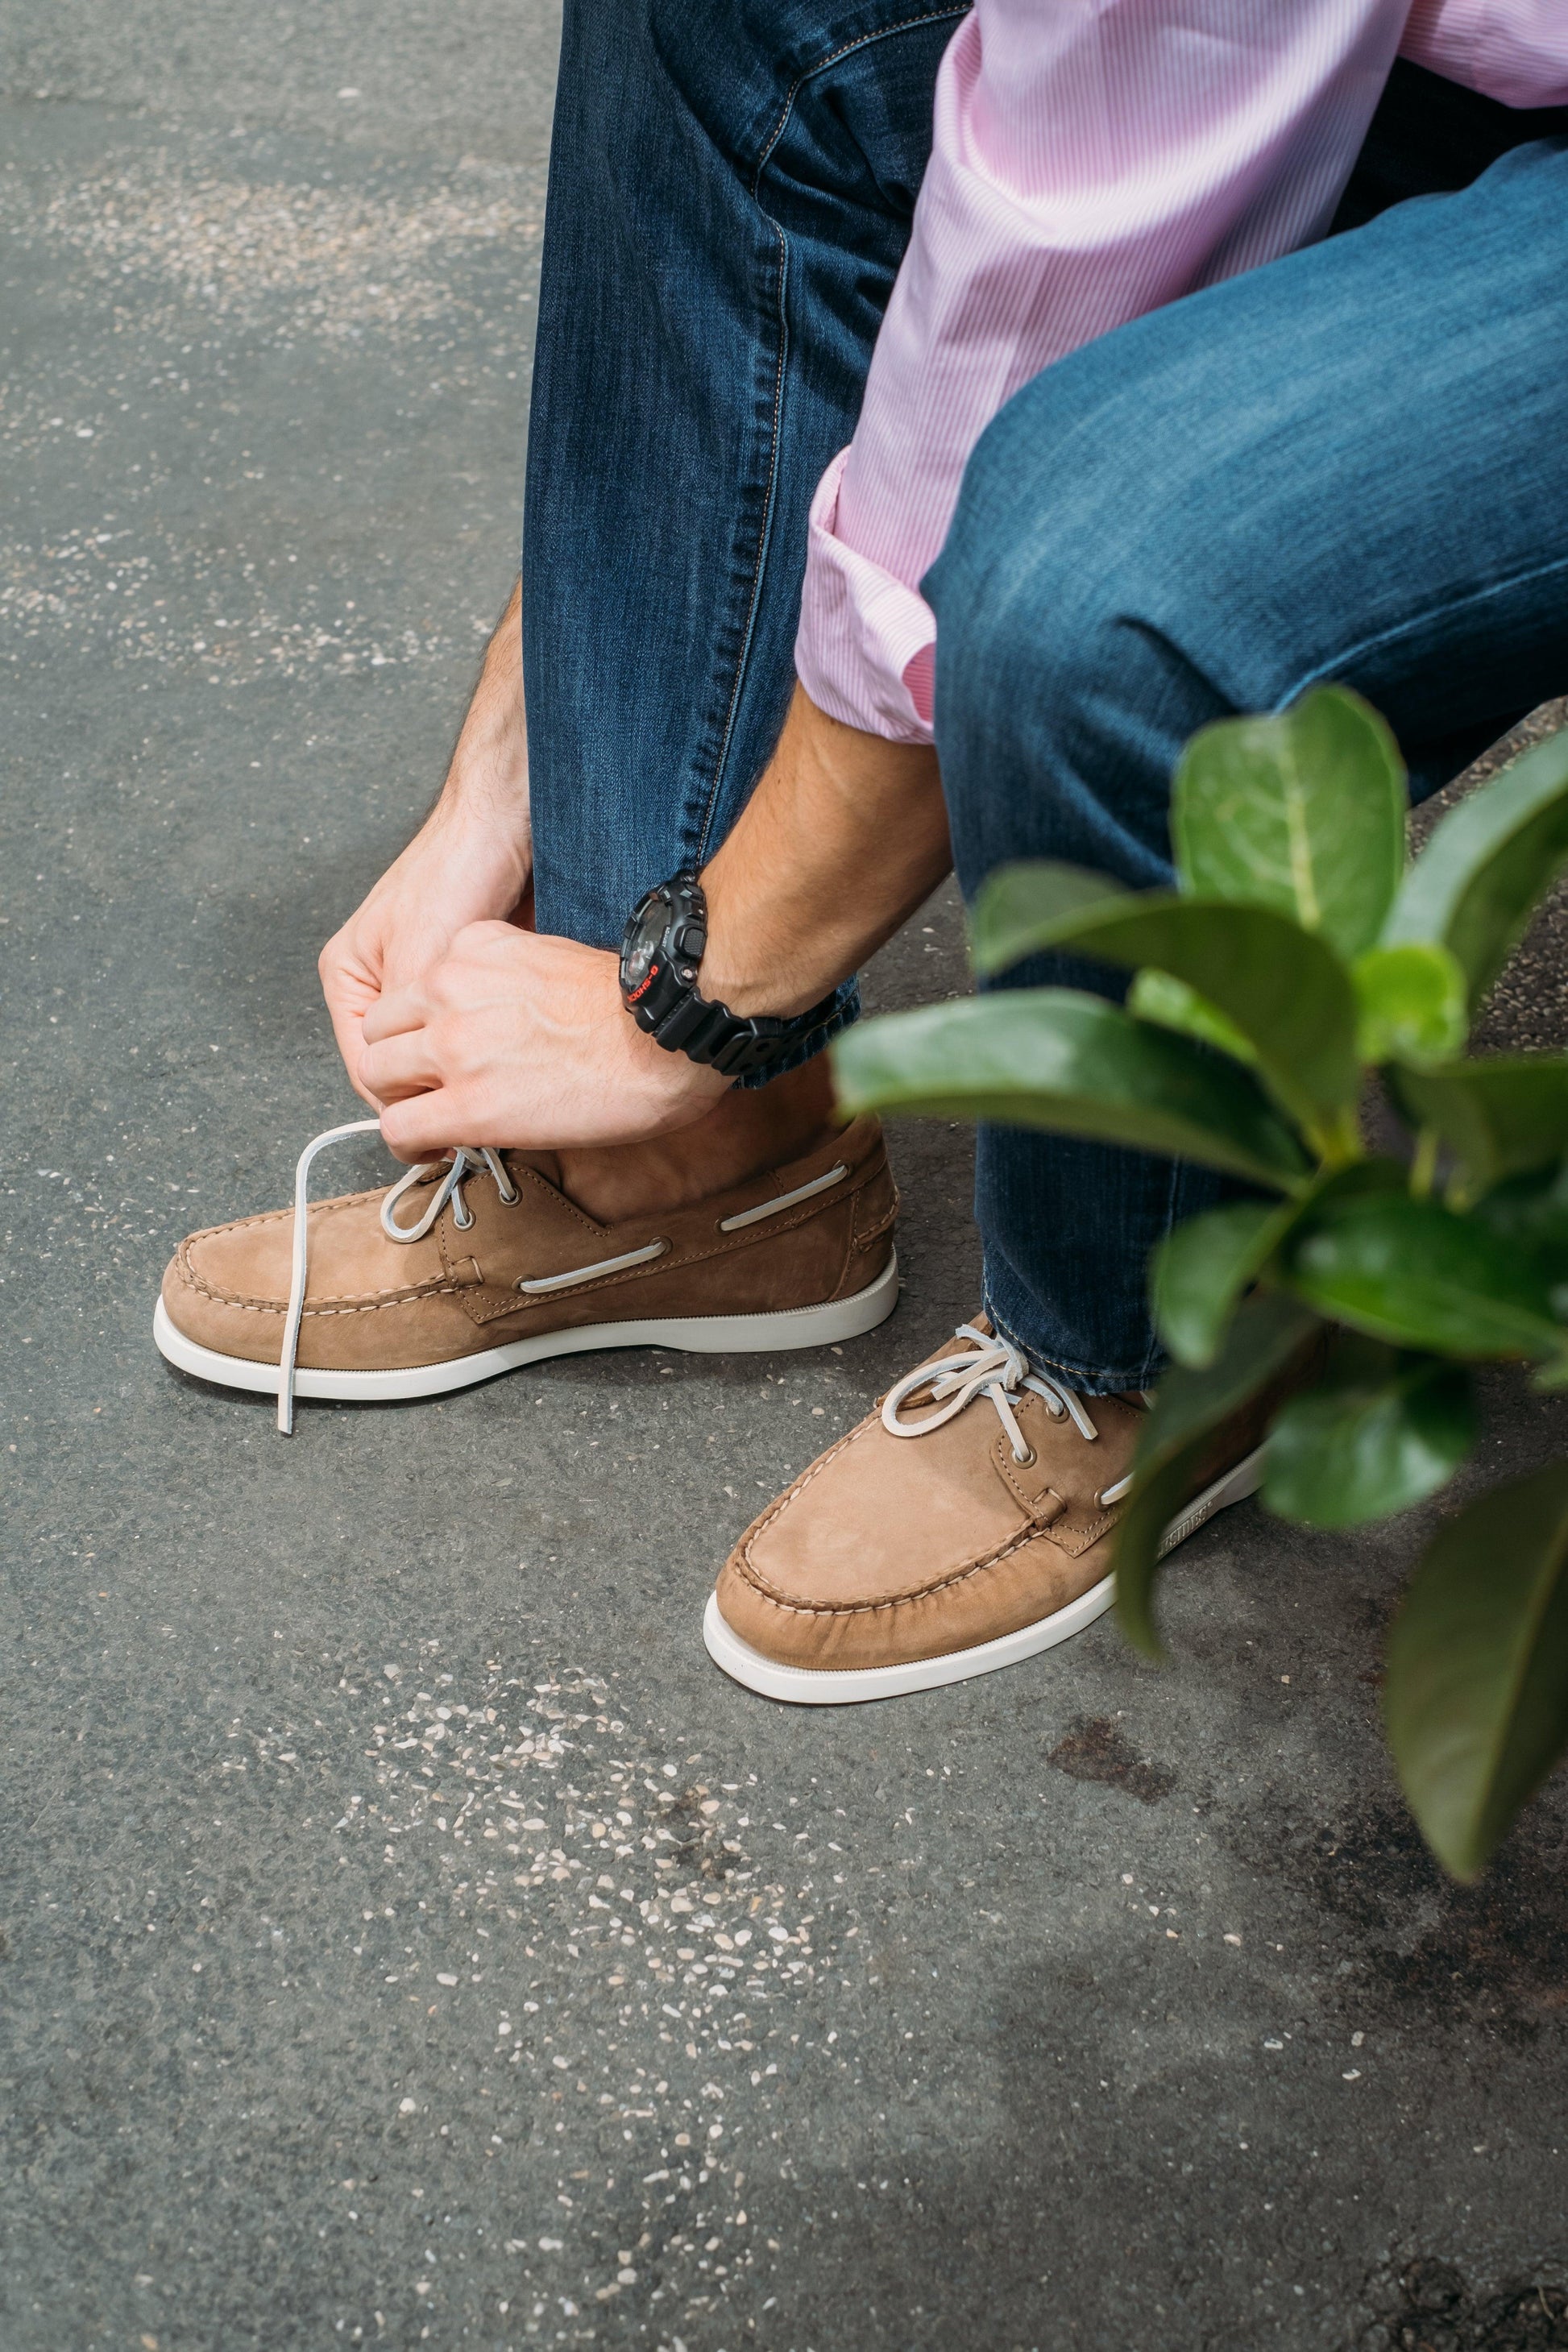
765, 535
845, 49
1422, 620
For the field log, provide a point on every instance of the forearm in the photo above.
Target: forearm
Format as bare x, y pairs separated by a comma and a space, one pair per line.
487, 774
844, 836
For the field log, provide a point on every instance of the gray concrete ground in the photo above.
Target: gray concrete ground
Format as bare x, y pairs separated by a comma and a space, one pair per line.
407, 1938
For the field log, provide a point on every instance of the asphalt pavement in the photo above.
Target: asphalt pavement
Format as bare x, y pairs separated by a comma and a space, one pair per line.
406, 1936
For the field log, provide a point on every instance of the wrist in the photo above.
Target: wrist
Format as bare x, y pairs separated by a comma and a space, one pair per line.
844, 836
474, 817
746, 972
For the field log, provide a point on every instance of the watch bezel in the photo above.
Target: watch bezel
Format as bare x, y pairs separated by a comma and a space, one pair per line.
671, 978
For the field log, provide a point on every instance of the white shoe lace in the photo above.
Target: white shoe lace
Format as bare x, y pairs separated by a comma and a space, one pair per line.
465, 1163
994, 1369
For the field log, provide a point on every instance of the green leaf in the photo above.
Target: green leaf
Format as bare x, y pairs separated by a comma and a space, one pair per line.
1411, 1001
1364, 1445
1498, 1117
1184, 1445
1475, 1701
1487, 864
1199, 1272
1172, 1004
1013, 903
1056, 1058
1304, 812
1421, 1275
1530, 1214
1287, 992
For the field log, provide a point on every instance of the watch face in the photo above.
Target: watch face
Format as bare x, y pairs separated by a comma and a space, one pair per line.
641, 951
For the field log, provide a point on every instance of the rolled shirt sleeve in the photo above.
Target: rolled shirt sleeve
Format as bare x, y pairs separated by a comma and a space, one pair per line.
1515, 50
1092, 161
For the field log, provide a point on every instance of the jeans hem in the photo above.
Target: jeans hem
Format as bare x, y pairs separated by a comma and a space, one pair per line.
1079, 1378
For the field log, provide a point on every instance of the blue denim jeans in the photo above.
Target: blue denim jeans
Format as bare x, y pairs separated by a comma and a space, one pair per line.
1349, 464
732, 184
1352, 463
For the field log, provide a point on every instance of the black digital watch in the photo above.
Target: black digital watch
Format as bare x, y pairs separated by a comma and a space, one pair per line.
661, 953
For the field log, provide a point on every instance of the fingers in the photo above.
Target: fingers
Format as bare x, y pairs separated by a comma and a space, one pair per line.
350, 987
400, 1010
394, 1067
348, 1028
424, 1125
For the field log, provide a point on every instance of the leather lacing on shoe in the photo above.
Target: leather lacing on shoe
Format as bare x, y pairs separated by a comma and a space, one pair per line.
464, 1164
995, 1369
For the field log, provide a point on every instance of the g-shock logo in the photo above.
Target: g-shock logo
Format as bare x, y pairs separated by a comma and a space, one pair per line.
643, 986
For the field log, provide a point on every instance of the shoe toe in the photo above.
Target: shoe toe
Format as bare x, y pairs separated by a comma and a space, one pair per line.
883, 1553
245, 1264
226, 1287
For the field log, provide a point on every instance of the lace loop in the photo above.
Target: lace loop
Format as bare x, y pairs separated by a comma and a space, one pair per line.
991, 1368
465, 1163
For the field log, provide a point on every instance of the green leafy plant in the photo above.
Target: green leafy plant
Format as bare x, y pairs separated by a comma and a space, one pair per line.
1300, 965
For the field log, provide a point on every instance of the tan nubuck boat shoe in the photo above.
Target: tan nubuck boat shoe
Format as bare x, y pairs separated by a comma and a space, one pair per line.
474, 1267
892, 1566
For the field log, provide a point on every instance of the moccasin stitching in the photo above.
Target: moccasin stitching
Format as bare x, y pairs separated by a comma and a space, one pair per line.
885, 1223
276, 1217
895, 1600
403, 1297
365, 1306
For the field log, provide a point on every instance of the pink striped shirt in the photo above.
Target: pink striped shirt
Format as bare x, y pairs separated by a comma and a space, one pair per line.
1094, 159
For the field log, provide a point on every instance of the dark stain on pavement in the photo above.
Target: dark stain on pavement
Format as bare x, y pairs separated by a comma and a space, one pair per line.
1094, 1749
1494, 1953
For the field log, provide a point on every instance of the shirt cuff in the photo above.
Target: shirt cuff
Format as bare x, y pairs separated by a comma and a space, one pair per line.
866, 648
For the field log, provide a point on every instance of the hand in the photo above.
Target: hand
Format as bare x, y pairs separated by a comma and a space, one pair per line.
460, 867
471, 859
515, 1039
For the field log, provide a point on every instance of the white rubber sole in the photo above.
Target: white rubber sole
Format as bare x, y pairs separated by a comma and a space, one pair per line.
854, 1685
701, 1334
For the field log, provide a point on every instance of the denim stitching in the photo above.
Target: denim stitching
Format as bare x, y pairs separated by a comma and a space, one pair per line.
845, 49
765, 536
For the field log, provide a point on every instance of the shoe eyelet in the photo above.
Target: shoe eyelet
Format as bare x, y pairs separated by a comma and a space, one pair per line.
1026, 1461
